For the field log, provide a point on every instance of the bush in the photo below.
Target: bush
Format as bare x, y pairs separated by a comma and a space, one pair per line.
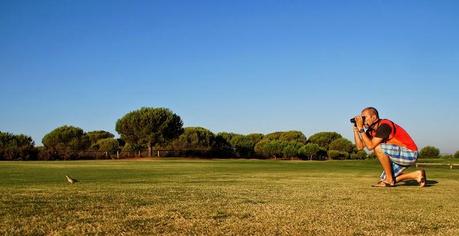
222, 147
277, 149
66, 142
241, 145
150, 127
97, 135
260, 148
226, 136
309, 151
274, 149
429, 152
323, 139
287, 136
456, 155
341, 144
337, 155
372, 156
132, 149
195, 141
291, 150
108, 145
447, 157
16, 147
244, 145
273, 144
255, 137
359, 155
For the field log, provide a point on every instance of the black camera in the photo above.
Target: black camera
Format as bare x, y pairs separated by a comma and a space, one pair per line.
355, 124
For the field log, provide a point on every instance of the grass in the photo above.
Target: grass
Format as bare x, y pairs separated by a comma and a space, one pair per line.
236, 197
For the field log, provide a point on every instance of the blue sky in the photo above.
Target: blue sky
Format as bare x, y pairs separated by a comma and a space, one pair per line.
237, 66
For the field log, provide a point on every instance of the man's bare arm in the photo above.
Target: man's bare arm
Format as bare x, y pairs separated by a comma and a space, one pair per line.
358, 140
370, 144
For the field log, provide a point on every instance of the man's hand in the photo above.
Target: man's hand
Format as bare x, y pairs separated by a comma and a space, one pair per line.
358, 140
359, 122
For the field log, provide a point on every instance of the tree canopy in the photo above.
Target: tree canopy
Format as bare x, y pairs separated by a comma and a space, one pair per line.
66, 141
288, 136
195, 139
429, 152
149, 126
323, 139
97, 135
341, 144
309, 150
160, 128
16, 147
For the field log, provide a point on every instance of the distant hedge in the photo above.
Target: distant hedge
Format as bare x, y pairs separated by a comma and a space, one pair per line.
151, 129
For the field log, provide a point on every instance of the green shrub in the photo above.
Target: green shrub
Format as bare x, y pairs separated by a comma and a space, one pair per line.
323, 139
16, 147
359, 155
108, 145
255, 137
291, 149
244, 145
97, 135
309, 151
447, 157
277, 149
195, 141
133, 149
372, 156
429, 152
287, 136
150, 127
337, 155
341, 144
66, 142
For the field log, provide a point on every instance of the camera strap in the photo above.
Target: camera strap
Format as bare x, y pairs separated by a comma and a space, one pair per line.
373, 125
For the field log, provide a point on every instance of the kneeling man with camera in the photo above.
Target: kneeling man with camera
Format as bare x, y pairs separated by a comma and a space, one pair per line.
393, 146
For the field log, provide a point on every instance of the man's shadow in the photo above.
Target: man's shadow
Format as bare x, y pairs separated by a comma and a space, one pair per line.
430, 183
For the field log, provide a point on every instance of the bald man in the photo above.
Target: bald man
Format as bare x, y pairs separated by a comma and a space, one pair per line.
393, 146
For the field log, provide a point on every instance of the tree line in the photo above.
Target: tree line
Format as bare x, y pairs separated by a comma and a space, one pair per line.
160, 132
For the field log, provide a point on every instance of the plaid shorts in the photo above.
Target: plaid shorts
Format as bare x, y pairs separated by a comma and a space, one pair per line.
400, 158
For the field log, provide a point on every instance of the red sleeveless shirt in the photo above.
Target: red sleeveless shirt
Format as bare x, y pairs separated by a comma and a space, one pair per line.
398, 135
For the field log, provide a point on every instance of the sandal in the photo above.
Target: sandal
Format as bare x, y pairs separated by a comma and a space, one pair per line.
423, 181
383, 184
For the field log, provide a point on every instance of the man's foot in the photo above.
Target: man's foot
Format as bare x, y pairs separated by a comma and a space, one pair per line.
422, 179
384, 184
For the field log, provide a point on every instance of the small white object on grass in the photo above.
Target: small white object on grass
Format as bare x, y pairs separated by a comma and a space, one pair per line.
70, 179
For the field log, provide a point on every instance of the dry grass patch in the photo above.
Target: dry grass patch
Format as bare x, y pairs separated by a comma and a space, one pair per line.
237, 197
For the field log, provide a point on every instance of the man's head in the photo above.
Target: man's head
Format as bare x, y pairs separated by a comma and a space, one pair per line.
371, 116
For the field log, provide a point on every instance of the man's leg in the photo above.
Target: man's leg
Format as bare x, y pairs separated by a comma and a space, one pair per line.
418, 175
386, 164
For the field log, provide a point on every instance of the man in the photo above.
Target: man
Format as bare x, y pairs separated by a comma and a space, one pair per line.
392, 145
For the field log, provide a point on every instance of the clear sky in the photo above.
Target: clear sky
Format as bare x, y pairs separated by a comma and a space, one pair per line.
239, 66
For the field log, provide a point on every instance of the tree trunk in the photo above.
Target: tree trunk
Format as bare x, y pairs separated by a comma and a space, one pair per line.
158, 153
149, 150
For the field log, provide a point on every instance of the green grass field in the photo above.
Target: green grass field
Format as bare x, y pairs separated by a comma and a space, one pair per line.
236, 197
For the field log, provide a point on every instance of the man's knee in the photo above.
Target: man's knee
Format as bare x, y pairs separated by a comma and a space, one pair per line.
379, 151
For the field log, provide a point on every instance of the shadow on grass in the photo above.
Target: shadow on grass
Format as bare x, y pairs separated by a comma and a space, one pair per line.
430, 183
